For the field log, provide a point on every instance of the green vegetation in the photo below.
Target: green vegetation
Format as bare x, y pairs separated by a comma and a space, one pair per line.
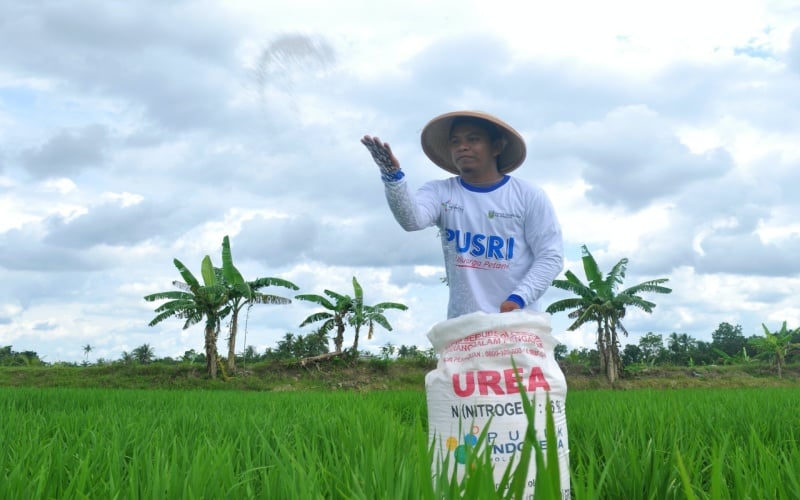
685, 444
776, 345
243, 293
599, 302
341, 308
337, 307
224, 291
298, 422
369, 374
96, 443
9, 357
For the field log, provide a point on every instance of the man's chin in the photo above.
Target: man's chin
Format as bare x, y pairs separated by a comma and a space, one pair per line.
465, 169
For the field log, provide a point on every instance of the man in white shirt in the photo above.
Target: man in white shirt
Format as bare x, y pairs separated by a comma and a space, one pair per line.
501, 239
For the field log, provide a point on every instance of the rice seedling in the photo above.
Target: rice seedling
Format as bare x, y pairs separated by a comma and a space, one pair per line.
127, 444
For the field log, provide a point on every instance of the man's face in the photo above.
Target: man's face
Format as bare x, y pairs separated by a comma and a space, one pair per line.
473, 153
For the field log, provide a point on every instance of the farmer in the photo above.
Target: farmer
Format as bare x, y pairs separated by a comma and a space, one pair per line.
500, 237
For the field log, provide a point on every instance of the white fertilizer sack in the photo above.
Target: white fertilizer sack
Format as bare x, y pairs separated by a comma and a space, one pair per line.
475, 381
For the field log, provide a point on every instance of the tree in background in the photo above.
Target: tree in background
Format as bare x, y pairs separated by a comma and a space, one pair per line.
224, 291
286, 347
144, 354
194, 302
243, 293
250, 354
337, 307
583, 356
652, 348
388, 351
560, 352
9, 357
86, 350
598, 302
684, 350
729, 340
775, 345
703, 353
192, 356
313, 344
126, 358
631, 355
344, 309
680, 347
405, 352
293, 347
362, 314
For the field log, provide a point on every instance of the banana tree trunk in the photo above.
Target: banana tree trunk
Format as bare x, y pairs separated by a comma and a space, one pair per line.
601, 346
232, 342
612, 371
339, 340
612, 350
355, 344
211, 350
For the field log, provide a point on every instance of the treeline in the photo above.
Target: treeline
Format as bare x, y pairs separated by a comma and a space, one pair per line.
292, 347
9, 357
728, 346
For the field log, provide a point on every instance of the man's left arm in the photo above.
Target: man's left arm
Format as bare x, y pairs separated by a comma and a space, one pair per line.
543, 235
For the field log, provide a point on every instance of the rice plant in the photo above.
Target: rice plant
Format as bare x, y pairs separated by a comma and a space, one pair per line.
129, 444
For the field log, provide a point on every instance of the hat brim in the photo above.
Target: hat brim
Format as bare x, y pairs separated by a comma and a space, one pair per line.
435, 140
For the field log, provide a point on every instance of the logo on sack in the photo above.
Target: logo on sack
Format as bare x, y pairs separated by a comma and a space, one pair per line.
460, 450
509, 443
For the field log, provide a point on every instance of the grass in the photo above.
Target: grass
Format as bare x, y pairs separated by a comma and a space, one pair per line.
68, 443
368, 375
121, 443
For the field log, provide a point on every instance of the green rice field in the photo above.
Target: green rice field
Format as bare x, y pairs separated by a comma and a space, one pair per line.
131, 444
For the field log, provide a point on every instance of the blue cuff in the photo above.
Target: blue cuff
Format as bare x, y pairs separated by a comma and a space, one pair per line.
393, 176
517, 300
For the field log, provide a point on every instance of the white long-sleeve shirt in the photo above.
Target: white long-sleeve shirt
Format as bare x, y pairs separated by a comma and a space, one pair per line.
498, 242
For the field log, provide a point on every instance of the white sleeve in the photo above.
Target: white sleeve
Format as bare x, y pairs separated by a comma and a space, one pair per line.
547, 245
413, 211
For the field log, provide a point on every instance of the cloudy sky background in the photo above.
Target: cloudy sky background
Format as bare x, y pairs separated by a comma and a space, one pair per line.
132, 133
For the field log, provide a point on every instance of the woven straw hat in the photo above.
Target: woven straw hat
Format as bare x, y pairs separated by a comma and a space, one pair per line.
436, 141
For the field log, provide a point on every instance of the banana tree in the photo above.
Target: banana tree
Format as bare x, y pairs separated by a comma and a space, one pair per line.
598, 302
243, 293
343, 309
194, 302
337, 307
366, 315
775, 345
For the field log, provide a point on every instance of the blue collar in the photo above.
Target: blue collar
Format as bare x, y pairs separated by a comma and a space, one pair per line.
484, 189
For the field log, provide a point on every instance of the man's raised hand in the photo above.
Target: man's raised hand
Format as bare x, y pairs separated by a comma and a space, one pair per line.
383, 156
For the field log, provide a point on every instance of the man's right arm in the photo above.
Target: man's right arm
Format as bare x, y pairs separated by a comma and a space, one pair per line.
412, 212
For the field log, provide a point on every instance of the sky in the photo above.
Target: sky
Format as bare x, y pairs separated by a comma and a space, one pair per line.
135, 133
